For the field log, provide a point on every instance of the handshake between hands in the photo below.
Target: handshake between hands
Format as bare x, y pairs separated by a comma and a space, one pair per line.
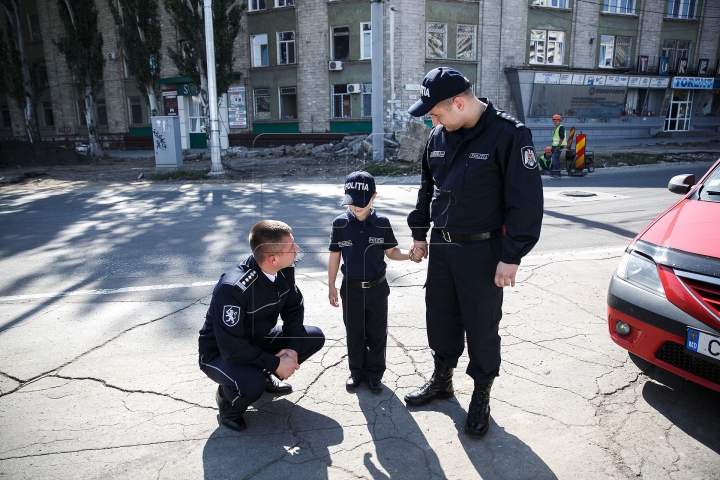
418, 251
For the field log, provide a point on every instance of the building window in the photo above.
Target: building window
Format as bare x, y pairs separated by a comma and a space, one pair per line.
682, 9
341, 43
48, 114
101, 113
547, 47
257, 5
550, 3
436, 40
341, 102
619, 6
674, 50
466, 42
136, 115
5, 111
367, 99
614, 52
260, 50
288, 103
284, 3
365, 40
286, 48
34, 23
262, 104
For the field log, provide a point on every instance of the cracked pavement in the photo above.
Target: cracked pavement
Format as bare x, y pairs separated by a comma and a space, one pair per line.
108, 386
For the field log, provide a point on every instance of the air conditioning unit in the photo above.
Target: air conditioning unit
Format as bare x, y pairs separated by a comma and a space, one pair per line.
335, 65
112, 56
353, 88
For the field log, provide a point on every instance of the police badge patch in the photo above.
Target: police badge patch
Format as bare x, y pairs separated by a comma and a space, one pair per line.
528, 157
231, 315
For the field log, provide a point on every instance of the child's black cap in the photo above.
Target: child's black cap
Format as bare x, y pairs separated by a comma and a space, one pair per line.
359, 189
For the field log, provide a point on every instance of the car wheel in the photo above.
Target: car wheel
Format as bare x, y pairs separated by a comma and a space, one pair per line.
641, 363
591, 167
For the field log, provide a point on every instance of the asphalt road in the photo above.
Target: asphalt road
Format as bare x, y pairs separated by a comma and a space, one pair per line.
103, 290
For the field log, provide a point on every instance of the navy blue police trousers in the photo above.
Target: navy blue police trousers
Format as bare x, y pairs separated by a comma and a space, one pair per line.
462, 301
244, 384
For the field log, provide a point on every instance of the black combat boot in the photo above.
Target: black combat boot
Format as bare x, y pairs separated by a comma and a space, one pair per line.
276, 386
231, 418
478, 420
439, 386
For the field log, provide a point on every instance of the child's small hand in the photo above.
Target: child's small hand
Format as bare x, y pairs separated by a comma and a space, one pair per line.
333, 296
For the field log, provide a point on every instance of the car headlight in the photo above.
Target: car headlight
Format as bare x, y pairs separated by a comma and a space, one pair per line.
640, 271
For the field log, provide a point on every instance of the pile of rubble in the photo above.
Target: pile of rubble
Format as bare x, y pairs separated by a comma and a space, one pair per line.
405, 146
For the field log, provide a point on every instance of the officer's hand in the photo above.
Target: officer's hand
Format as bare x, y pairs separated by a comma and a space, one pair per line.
286, 368
333, 296
505, 274
289, 352
418, 251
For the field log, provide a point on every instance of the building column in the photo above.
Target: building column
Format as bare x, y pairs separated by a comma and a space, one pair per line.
313, 90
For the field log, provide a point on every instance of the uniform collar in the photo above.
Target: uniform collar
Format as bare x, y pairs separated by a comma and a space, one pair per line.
263, 277
371, 219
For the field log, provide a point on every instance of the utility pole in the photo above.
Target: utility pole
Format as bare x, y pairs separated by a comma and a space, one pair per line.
378, 129
217, 167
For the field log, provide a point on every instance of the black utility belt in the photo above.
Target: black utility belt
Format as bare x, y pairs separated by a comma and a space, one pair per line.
370, 284
473, 237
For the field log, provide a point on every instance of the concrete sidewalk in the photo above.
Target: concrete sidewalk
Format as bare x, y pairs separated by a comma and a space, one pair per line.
123, 397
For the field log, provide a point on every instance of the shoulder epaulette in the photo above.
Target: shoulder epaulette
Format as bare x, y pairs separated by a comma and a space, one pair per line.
246, 280
510, 118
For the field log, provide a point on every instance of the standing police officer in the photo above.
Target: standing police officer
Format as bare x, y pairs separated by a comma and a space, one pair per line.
559, 144
483, 195
241, 345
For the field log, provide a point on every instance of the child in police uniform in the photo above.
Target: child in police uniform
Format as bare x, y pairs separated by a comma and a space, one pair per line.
362, 238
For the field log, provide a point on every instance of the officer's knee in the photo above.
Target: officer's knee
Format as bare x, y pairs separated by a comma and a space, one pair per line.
253, 386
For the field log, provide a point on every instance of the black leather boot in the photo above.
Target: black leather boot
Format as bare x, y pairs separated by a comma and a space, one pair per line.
439, 386
478, 420
276, 386
231, 418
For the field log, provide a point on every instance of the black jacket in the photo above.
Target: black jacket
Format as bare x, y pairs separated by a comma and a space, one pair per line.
244, 308
480, 179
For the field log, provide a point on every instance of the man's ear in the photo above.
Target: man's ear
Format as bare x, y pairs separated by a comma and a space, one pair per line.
459, 103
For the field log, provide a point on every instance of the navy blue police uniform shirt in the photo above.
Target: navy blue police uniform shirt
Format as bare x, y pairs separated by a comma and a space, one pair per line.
244, 308
363, 244
479, 179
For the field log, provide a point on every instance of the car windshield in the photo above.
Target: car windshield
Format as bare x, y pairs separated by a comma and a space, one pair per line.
710, 189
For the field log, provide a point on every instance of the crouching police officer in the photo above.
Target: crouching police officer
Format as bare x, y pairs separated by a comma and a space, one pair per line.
241, 346
483, 196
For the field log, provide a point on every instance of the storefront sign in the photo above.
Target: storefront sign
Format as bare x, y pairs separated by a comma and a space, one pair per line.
170, 103
692, 83
594, 79
237, 107
565, 78
657, 82
411, 86
187, 89
547, 78
664, 66
617, 81
639, 82
578, 79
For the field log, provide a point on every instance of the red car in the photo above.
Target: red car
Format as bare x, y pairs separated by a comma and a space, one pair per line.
664, 298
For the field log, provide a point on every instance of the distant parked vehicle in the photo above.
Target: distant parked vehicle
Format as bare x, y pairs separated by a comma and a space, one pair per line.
664, 298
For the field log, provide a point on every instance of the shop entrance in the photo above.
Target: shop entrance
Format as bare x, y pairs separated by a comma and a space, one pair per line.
678, 115
198, 137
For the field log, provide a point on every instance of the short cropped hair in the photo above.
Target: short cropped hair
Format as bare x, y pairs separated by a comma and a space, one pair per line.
267, 237
447, 103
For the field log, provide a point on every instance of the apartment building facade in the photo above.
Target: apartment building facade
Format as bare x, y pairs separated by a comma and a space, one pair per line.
622, 68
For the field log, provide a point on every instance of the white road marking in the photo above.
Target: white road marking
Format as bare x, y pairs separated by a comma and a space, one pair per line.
106, 291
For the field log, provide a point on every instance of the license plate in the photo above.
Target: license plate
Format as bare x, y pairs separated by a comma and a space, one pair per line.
703, 343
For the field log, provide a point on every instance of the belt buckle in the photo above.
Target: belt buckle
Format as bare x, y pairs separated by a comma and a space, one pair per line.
365, 285
446, 236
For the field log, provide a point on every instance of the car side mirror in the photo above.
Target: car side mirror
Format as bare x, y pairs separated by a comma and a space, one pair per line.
681, 184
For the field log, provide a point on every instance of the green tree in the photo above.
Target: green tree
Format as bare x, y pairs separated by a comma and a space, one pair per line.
191, 60
22, 81
139, 27
82, 48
